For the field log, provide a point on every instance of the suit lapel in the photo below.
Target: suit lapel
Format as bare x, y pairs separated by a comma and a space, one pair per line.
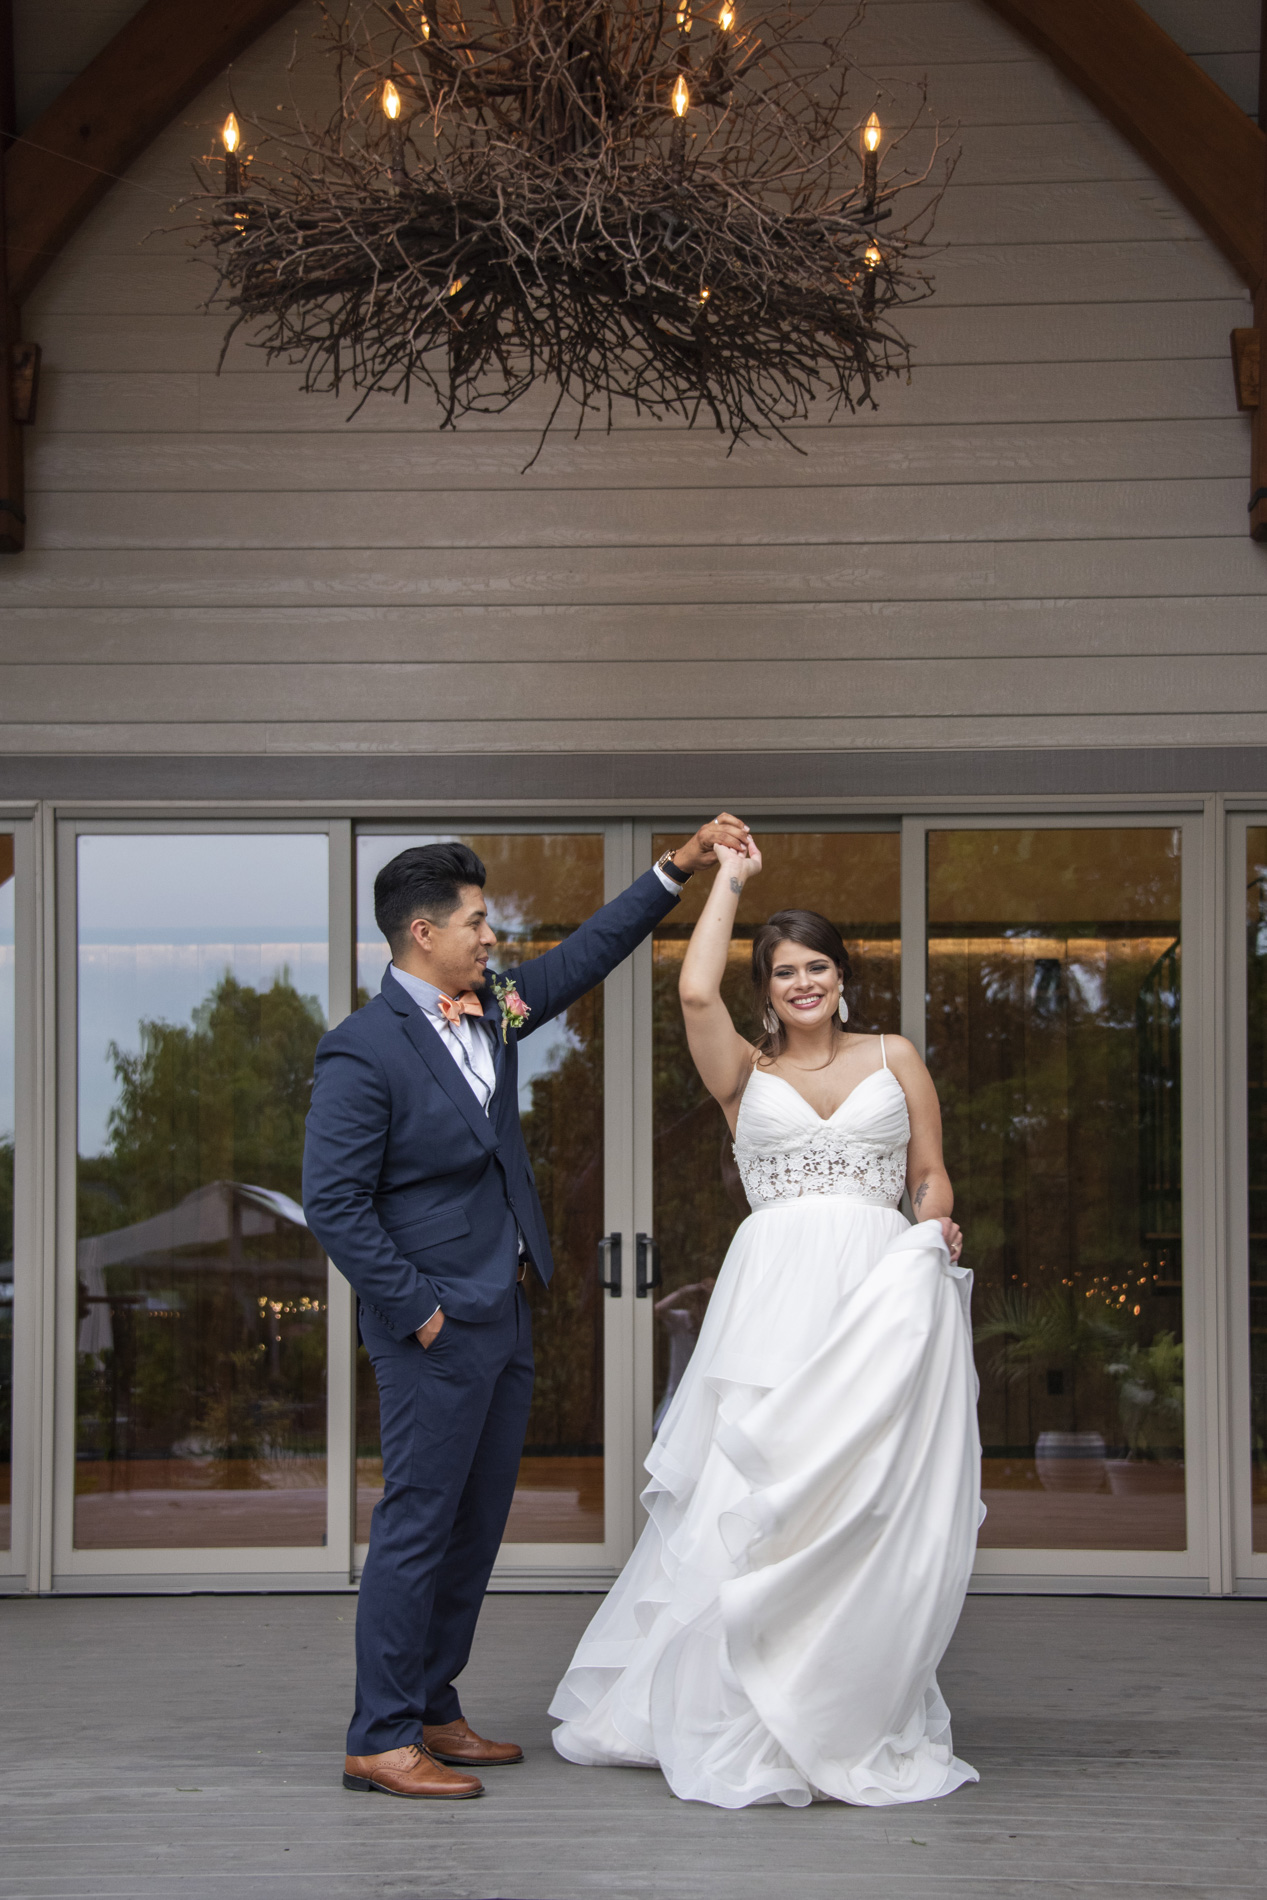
493, 1017
441, 1064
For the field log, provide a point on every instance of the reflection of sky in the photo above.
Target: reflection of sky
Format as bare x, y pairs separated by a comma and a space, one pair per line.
542, 1052
6, 1010
162, 918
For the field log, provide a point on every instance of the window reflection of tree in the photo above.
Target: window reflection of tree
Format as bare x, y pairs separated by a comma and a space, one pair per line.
202, 1294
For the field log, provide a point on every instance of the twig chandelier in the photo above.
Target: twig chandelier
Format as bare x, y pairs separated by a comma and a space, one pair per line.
622, 200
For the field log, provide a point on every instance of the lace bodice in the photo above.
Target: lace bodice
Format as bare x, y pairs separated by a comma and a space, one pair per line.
784, 1150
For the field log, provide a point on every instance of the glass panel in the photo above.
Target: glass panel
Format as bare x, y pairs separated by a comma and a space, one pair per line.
7, 1104
1256, 974
540, 887
203, 991
854, 879
1053, 1037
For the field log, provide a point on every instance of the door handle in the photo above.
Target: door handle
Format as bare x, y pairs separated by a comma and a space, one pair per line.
648, 1255
609, 1264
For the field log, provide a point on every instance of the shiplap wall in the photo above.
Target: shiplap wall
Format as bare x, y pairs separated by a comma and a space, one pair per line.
1040, 541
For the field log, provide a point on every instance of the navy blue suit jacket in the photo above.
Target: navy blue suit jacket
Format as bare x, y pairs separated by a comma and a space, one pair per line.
415, 1193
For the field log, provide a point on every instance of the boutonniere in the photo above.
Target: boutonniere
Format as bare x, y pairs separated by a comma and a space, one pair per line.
515, 1012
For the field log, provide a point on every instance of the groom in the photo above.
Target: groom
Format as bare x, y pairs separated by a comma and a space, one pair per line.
417, 1184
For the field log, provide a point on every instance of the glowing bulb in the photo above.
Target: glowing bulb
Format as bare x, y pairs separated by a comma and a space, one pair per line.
425, 24
871, 135
684, 18
456, 286
726, 18
231, 133
705, 293
681, 97
391, 100
873, 258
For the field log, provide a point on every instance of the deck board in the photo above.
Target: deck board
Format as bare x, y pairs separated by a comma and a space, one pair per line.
190, 1747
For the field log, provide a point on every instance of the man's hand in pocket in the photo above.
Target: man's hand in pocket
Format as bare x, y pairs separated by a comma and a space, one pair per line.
426, 1334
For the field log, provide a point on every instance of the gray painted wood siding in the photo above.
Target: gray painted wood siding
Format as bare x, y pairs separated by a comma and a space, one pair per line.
1040, 541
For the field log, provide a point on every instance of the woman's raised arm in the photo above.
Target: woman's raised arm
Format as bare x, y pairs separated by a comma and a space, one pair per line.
720, 1053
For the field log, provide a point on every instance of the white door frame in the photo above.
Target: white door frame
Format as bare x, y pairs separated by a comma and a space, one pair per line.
19, 1565
1250, 1566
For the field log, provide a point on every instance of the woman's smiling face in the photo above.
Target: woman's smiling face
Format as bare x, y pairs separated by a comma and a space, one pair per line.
804, 985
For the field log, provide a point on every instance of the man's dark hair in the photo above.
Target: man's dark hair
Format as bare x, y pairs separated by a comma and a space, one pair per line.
425, 881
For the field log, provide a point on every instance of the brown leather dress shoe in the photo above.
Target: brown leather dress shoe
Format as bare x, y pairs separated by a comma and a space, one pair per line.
411, 1772
458, 1744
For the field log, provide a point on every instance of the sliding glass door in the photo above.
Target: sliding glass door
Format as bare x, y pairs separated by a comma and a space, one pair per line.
8, 1134
1059, 1030
541, 885
214, 1417
1247, 1011
196, 979
1046, 971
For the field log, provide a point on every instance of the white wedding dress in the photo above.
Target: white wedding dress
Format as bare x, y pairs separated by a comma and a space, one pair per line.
814, 1495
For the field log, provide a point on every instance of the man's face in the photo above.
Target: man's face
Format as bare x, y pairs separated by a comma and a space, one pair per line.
454, 954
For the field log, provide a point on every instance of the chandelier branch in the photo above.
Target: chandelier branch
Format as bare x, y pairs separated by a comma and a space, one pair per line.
626, 200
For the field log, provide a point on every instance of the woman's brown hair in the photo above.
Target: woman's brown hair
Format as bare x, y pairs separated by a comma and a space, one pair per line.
812, 932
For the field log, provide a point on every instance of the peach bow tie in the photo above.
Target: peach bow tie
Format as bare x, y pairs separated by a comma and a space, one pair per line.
454, 1008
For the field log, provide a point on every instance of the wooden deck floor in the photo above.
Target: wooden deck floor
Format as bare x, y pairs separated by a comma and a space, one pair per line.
190, 1748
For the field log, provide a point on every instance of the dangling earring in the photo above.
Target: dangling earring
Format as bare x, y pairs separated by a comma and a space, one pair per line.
771, 1021
844, 1007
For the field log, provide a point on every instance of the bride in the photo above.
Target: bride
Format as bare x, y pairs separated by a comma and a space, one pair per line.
815, 1482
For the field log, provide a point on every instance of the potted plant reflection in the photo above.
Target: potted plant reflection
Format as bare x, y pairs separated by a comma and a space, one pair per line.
1150, 1405
1068, 1335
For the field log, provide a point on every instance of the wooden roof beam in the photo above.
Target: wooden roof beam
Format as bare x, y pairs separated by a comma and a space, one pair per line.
65, 162
1210, 153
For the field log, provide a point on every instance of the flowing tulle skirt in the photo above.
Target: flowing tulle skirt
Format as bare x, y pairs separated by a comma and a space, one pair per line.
813, 1510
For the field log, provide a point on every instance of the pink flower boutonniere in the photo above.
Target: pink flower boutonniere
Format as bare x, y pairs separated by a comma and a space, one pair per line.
515, 1012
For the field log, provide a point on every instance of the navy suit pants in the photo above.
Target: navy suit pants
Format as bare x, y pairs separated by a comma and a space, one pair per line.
453, 1418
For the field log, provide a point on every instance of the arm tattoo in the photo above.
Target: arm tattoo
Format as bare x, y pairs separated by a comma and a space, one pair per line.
736, 885
920, 1192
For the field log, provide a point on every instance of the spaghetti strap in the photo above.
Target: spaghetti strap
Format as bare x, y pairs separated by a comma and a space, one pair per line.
884, 1059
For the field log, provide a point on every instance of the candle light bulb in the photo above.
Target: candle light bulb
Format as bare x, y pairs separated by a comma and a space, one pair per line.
873, 259
726, 18
681, 97
391, 100
872, 134
425, 25
684, 18
705, 293
456, 286
231, 134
